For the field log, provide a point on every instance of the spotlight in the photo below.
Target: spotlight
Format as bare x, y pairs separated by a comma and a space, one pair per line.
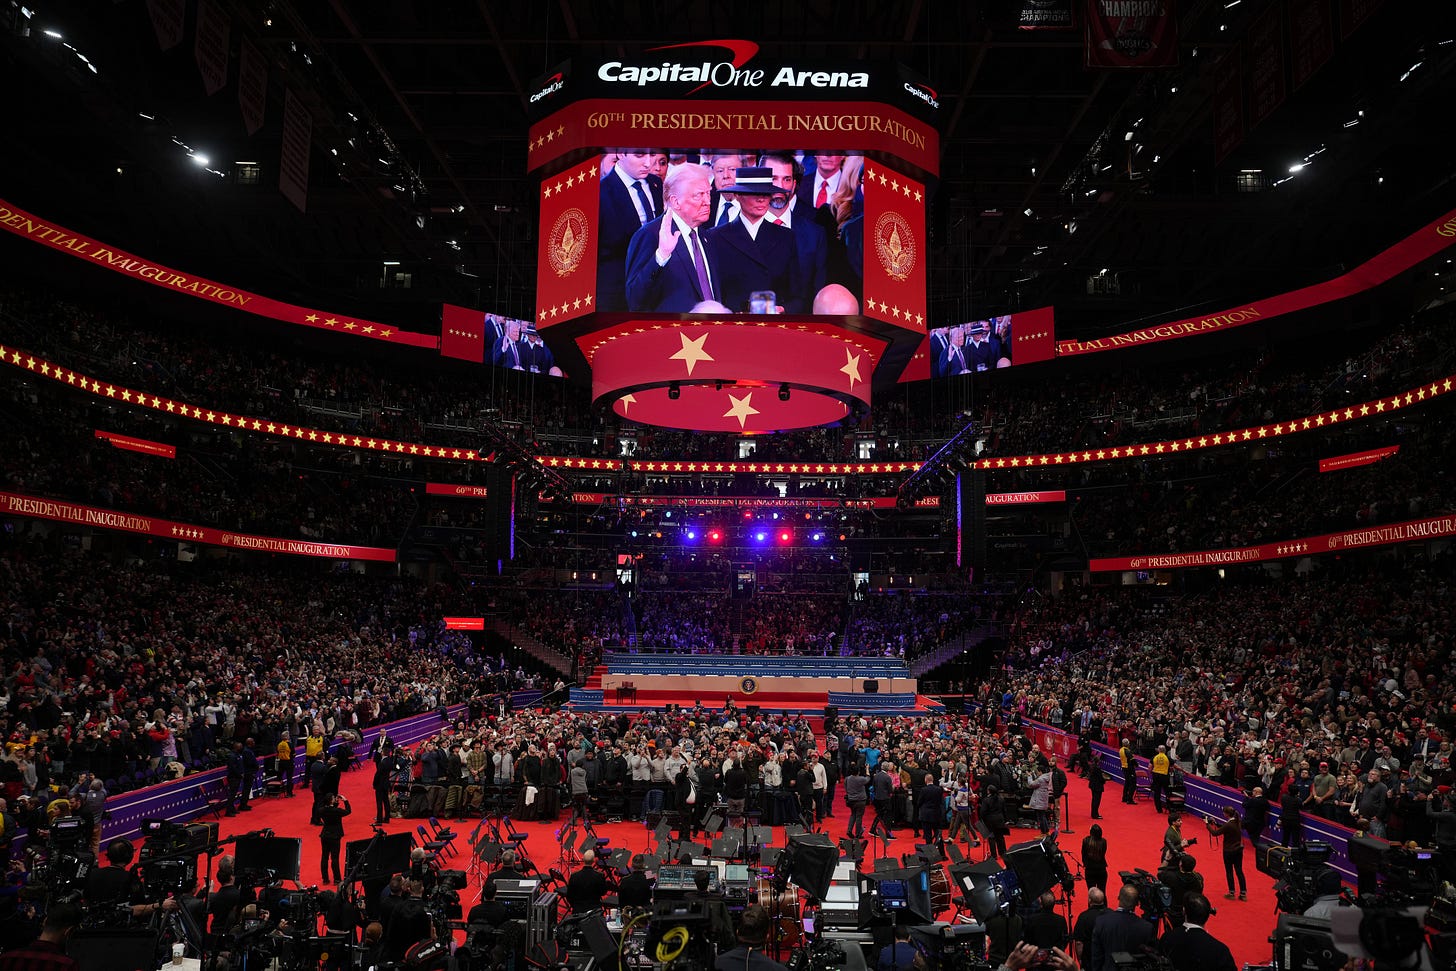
715, 536
674, 391
200, 160
817, 537
785, 536
760, 536
692, 534
783, 392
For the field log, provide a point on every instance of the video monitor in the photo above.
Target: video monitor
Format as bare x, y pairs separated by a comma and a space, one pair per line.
971, 347
776, 232
387, 855
277, 855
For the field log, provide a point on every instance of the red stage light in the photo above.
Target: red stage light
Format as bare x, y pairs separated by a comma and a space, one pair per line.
785, 536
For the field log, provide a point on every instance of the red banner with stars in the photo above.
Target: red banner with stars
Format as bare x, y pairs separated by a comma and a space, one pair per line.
34, 507
1354, 539
895, 247
566, 256
462, 333
62, 240
455, 491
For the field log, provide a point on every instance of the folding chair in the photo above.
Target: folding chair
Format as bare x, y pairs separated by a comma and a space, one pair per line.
443, 835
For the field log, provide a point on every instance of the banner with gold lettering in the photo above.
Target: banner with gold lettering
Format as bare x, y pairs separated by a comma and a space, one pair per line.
452, 490
1130, 33
894, 247
1022, 498
145, 446
1420, 245
1417, 530
1046, 15
566, 256
34, 507
27, 226
1355, 460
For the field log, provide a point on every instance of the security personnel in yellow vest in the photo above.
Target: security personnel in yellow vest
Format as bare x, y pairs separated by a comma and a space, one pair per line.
1161, 767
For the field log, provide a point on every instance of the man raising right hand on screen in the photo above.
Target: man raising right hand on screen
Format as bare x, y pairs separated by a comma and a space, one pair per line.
670, 265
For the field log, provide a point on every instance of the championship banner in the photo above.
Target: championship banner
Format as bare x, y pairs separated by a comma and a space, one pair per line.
1311, 38
13, 504
169, 19
1418, 246
455, 491
462, 333
1045, 15
252, 86
1266, 64
1353, 13
138, 444
293, 154
1407, 532
1356, 459
746, 502
1228, 107
63, 240
465, 623
1022, 498
210, 45
566, 257
1130, 33
895, 248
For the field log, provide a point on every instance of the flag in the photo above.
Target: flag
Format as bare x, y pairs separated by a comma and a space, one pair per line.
894, 247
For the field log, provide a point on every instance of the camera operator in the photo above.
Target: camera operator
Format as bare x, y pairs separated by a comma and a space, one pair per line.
900, 955
406, 921
117, 886
331, 836
48, 951
227, 900
1173, 842
88, 795
1330, 898
748, 955
1181, 878
1190, 947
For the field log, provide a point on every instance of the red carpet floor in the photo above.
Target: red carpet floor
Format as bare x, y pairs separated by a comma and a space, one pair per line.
1134, 835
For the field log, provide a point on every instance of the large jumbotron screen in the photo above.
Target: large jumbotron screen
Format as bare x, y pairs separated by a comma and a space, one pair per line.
793, 237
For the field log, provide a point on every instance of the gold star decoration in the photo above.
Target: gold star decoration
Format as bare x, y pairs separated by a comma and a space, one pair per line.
741, 408
691, 352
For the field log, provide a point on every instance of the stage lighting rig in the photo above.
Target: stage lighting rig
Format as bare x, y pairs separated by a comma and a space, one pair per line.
956, 454
512, 454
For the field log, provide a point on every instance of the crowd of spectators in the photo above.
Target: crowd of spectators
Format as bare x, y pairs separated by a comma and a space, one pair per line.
134, 673
1261, 682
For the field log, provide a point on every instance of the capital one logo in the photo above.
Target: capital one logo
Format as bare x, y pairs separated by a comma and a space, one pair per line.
731, 73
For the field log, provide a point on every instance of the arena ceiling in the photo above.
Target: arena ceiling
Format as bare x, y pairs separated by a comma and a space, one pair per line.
1054, 177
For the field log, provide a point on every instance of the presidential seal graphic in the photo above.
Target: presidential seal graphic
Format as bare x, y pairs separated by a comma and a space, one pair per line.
895, 245
749, 685
566, 245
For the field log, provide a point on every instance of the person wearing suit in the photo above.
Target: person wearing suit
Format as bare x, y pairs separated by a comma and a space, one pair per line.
671, 265
810, 239
984, 351
1191, 947
823, 182
1120, 930
725, 205
954, 358
631, 196
756, 254
930, 811
510, 351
